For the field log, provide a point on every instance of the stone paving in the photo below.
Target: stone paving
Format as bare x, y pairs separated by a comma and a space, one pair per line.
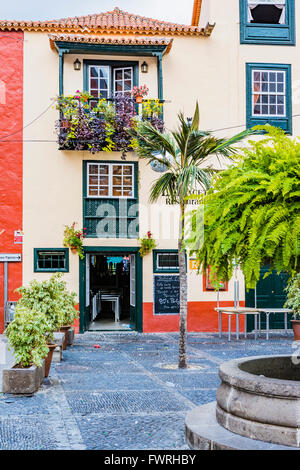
125, 395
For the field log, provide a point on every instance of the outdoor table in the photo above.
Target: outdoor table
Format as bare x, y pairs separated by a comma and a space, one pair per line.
268, 311
237, 311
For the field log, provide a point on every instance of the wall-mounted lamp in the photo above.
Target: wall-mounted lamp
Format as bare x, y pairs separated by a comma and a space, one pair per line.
144, 67
77, 64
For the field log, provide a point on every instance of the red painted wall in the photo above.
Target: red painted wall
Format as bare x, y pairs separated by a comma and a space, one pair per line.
202, 317
11, 156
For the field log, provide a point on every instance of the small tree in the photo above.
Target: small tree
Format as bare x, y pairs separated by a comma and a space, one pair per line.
185, 153
252, 211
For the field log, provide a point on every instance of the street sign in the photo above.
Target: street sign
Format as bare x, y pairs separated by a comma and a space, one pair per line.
10, 257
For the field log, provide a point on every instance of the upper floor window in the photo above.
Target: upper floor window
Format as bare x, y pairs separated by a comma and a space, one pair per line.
110, 180
269, 95
106, 79
267, 21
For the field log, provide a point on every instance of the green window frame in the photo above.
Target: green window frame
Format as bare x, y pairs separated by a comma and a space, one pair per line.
157, 269
51, 262
111, 216
264, 33
112, 66
272, 96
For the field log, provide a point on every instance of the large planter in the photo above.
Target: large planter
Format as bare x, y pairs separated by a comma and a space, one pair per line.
22, 381
48, 358
64, 329
296, 329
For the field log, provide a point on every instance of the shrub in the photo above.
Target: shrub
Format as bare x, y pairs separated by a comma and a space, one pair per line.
26, 335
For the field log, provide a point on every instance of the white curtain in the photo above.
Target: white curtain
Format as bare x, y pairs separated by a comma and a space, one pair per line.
277, 3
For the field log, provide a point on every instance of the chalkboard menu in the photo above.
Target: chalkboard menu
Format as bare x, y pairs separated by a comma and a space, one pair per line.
166, 295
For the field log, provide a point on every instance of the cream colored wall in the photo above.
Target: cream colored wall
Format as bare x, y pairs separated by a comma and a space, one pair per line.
210, 70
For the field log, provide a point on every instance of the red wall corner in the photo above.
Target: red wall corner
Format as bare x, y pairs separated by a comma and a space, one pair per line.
11, 157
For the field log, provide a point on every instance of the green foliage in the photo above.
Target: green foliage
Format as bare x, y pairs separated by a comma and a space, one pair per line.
52, 299
26, 335
251, 215
147, 244
293, 296
184, 152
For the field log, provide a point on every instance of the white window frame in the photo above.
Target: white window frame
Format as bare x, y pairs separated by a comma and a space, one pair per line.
262, 93
123, 80
110, 180
107, 67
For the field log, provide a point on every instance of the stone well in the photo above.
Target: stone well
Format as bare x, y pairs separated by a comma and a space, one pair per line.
258, 398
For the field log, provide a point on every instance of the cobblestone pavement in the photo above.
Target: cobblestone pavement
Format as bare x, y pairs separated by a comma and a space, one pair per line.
125, 395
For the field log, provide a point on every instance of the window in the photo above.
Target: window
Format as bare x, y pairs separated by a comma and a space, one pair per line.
269, 95
165, 261
267, 21
51, 259
266, 11
110, 199
107, 79
110, 180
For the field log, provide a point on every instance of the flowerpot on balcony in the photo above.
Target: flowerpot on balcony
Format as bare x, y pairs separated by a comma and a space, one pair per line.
296, 329
64, 329
139, 99
48, 358
73, 250
65, 124
22, 380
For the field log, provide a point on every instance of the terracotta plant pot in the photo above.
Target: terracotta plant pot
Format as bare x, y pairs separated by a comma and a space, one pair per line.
139, 99
64, 329
296, 328
73, 250
48, 358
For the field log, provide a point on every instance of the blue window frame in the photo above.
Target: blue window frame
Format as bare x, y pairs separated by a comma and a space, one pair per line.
280, 30
268, 88
51, 260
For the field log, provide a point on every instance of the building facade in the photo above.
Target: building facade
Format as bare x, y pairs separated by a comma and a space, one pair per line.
238, 59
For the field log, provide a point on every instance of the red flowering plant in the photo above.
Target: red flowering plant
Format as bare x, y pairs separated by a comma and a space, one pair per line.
147, 244
138, 92
74, 239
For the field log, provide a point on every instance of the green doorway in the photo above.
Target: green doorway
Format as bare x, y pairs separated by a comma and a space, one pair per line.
270, 293
111, 287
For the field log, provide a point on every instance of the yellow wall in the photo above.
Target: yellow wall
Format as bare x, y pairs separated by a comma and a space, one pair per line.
210, 70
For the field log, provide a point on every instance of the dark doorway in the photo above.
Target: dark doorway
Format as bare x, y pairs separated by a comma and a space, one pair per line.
109, 291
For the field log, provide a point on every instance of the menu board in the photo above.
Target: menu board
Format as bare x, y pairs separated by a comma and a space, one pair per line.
166, 295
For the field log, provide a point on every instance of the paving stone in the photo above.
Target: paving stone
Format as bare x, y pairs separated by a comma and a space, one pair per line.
134, 432
26, 433
120, 396
124, 402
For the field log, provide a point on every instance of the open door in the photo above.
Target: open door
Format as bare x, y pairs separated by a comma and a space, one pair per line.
87, 292
133, 291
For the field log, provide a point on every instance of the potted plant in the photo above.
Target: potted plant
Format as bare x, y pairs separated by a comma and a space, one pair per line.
74, 239
147, 244
26, 335
43, 297
139, 92
293, 302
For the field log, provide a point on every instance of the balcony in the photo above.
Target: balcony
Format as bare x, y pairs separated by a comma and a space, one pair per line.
97, 125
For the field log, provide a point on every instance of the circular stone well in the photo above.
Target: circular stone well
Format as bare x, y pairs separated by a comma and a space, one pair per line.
259, 398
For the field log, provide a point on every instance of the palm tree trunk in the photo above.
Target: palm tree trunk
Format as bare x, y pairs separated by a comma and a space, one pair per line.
182, 363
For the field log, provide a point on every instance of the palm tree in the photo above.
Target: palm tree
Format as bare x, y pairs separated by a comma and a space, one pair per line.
184, 153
